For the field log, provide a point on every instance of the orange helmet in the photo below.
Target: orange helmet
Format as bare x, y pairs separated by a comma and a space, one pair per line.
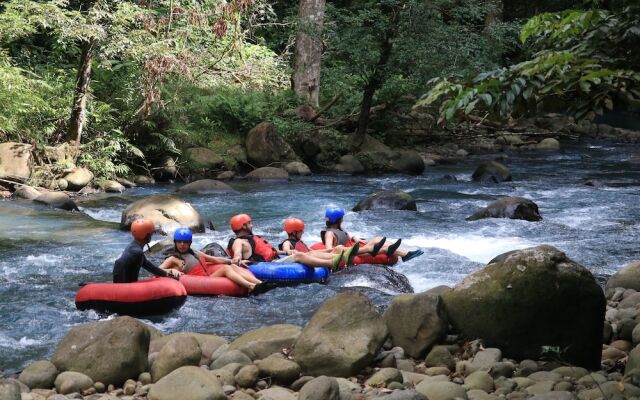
238, 221
140, 228
293, 225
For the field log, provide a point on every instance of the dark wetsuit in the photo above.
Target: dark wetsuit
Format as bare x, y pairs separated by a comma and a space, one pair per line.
127, 267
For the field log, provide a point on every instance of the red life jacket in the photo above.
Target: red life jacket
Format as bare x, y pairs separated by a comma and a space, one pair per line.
297, 245
261, 250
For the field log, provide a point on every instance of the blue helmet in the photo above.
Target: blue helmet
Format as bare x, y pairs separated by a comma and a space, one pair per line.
183, 234
334, 214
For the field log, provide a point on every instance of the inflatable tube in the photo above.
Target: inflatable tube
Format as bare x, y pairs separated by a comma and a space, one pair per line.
211, 286
381, 259
148, 297
289, 272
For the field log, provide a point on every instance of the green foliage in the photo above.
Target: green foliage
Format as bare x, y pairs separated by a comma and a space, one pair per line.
434, 38
580, 62
31, 104
107, 155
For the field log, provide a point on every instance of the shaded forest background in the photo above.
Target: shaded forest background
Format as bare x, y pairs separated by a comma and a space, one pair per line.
130, 82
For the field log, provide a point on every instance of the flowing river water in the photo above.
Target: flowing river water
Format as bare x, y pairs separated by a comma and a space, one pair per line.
45, 254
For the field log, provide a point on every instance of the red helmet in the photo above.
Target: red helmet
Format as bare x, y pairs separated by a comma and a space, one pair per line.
140, 228
293, 225
238, 221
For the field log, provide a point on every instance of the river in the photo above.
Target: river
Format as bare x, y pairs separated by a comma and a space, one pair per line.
45, 254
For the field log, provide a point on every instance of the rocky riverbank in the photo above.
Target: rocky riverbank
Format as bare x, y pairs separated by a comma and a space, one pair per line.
531, 324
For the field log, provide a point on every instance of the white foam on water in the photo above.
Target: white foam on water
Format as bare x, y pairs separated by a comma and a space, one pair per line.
364, 282
474, 247
103, 214
166, 325
49, 259
23, 342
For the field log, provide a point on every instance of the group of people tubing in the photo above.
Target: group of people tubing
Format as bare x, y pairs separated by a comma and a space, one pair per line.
340, 248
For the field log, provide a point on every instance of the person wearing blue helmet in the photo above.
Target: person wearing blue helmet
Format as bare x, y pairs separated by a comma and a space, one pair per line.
334, 235
193, 262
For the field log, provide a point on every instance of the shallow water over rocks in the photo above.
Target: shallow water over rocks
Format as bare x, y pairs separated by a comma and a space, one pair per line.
45, 253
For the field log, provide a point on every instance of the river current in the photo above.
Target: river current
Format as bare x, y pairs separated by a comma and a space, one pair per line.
45, 254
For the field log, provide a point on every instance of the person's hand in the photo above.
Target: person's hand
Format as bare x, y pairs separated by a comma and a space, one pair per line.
244, 263
236, 260
175, 274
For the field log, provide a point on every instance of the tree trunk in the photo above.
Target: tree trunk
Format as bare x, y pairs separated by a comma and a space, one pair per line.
79, 111
375, 82
306, 75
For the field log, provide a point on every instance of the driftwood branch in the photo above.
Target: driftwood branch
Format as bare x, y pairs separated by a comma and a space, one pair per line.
326, 107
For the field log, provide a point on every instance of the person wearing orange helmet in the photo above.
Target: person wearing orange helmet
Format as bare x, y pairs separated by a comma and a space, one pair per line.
127, 267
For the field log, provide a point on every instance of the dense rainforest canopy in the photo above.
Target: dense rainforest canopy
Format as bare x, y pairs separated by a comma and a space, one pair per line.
131, 81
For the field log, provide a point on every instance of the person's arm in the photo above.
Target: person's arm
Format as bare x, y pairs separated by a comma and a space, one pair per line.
329, 237
214, 259
237, 249
149, 266
287, 248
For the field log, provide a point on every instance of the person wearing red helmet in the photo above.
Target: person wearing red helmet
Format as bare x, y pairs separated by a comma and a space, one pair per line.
247, 246
127, 267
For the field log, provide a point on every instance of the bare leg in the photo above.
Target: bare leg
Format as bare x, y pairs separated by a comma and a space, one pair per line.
246, 274
234, 276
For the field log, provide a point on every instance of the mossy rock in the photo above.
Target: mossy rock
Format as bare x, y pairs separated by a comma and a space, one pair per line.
530, 302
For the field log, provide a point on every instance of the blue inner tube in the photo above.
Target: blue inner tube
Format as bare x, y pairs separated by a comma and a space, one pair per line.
288, 272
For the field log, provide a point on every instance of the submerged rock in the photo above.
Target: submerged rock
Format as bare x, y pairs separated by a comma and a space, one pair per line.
510, 303
206, 186
268, 173
387, 200
57, 200
491, 172
509, 207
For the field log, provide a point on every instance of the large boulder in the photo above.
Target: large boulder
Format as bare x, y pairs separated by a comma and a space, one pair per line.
40, 374
9, 390
509, 207
342, 337
279, 369
57, 200
176, 353
265, 146
203, 158
407, 162
387, 200
188, 383
206, 186
262, 342
529, 302
628, 277
78, 178
491, 172
167, 211
106, 351
16, 161
207, 343
268, 173
416, 322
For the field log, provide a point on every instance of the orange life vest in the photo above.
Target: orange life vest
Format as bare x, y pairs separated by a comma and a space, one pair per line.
261, 250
